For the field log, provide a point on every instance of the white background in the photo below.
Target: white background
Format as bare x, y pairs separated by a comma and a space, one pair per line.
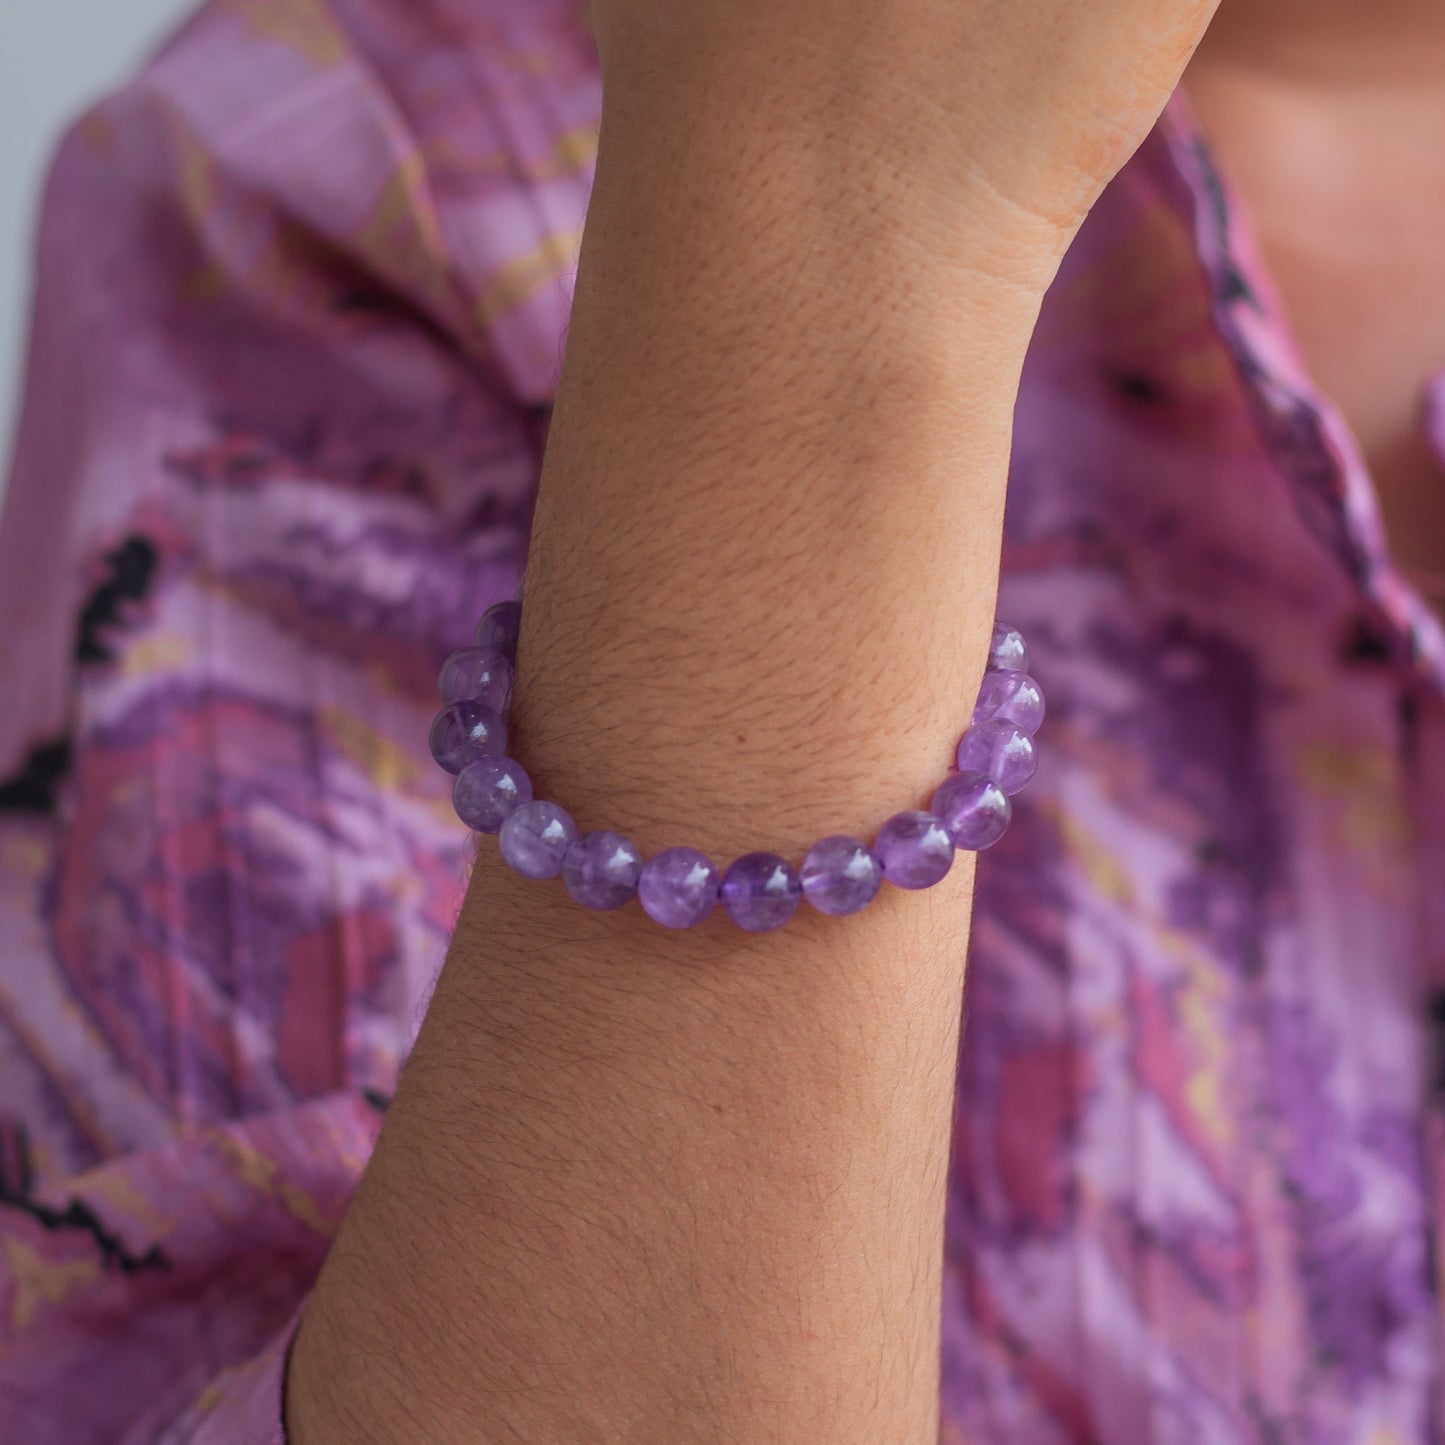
56, 56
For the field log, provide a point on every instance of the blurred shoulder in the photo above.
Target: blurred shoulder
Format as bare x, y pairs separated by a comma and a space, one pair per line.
436, 152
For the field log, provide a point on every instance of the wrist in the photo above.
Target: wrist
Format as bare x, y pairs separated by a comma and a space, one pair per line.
885, 134
917, 227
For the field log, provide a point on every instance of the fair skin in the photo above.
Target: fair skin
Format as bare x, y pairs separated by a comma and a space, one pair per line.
648, 1187
1328, 116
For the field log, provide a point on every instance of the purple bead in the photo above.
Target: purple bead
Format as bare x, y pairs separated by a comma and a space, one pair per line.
477, 674
1008, 651
915, 849
678, 887
761, 891
974, 809
601, 869
1013, 696
840, 875
535, 838
499, 626
465, 731
1001, 750
488, 791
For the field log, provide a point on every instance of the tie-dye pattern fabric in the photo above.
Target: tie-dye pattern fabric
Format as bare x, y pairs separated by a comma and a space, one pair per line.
302, 296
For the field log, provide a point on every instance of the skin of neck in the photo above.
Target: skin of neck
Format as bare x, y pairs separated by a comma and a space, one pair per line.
1329, 117
1309, 43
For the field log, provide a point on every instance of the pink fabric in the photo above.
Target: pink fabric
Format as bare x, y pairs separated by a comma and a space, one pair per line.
303, 292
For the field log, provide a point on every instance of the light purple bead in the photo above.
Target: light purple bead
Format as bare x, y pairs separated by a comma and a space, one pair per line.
1002, 751
535, 838
915, 849
480, 674
678, 887
840, 875
499, 626
974, 809
601, 869
1008, 651
486, 792
761, 891
1013, 696
465, 731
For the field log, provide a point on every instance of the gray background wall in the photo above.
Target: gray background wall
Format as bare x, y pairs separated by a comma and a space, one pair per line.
56, 56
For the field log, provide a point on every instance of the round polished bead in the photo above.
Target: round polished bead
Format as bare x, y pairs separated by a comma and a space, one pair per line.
499, 626
1000, 750
1008, 651
535, 838
465, 731
488, 791
1013, 696
601, 869
914, 848
678, 887
477, 674
761, 891
840, 875
974, 809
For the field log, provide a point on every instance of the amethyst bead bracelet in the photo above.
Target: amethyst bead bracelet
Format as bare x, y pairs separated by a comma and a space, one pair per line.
679, 887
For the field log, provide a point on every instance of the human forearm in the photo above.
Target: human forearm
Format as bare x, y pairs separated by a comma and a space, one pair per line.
766, 539
648, 1186
694, 1181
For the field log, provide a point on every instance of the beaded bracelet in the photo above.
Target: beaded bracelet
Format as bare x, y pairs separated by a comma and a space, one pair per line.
679, 887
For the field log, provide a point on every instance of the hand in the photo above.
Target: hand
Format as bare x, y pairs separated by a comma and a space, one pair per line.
1004, 116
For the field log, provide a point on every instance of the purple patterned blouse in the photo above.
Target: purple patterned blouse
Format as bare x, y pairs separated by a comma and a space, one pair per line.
303, 288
